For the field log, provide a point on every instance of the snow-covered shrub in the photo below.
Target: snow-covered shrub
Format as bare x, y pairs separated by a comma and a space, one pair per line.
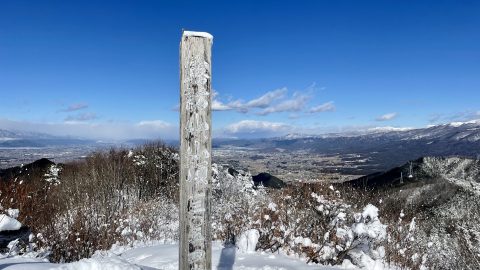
432, 223
23, 243
366, 238
52, 174
235, 201
451, 230
404, 246
13, 247
155, 220
247, 242
30, 194
312, 220
13, 213
156, 168
112, 196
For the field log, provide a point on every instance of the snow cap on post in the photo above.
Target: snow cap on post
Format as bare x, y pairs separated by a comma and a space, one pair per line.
197, 34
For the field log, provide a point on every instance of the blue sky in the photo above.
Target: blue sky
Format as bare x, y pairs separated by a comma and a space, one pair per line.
109, 69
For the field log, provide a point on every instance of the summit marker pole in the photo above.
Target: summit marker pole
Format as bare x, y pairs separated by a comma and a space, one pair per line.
195, 151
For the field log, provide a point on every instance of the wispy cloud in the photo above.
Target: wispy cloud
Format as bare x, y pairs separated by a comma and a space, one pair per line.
275, 101
326, 107
294, 104
239, 105
81, 117
387, 117
267, 99
75, 107
435, 118
461, 116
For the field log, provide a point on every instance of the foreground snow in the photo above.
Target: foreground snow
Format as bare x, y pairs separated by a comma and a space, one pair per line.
8, 223
164, 256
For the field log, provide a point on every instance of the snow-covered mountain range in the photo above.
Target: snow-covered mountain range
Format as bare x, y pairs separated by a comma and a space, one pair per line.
384, 147
455, 131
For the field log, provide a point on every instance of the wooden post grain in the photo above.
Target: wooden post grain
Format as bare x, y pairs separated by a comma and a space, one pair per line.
195, 150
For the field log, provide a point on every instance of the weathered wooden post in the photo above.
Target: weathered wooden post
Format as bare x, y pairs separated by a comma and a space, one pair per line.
195, 150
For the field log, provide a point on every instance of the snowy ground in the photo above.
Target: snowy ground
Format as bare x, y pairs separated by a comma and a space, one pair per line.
164, 256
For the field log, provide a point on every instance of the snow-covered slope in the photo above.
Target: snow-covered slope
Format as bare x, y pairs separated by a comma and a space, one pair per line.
165, 256
441, 195
461, 171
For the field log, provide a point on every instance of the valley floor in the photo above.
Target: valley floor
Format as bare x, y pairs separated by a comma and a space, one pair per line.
165, 256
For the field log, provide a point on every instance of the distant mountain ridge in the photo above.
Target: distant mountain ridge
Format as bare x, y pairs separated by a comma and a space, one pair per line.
16, 134
386, 148
469, 131
14, 138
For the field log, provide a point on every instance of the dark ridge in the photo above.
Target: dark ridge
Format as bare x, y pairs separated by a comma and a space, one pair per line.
37, 167
390, 178
41, 163
268, 180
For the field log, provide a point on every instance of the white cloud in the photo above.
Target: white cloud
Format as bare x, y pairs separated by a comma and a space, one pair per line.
253, 128
153, 124
387, 117
295, 104
267, 99
326, 107
388, 128
238, 105
274, 101
243, 107
219, 106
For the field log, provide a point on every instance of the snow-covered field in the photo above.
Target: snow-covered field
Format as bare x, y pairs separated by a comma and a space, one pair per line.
164, 256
